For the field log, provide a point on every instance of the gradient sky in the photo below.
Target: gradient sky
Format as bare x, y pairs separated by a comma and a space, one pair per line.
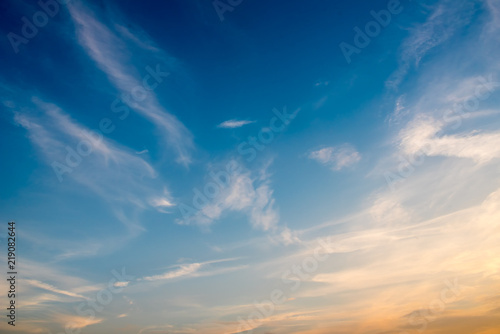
189, 166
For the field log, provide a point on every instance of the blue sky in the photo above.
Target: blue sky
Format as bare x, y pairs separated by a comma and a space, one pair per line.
228, 167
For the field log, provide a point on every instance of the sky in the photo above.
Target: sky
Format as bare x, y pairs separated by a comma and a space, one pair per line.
237, 166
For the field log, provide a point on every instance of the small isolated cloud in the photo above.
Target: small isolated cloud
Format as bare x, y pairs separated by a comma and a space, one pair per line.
161, 202
234, 123
336, 157
121, 284
322, 83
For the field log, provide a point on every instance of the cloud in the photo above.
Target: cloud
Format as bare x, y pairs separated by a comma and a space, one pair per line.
156, 329
61, 283
233, 123
121, 284
337, 157
400, 111
403, 267
451, 111
184, 270
322, 83
112, 56
421, 135
45, 305
125, 181
244, 191
161, 202
190, 270
51, 288
494, 9
396, 266
108, 169
77, 322
289, 237
387, 210
445, 19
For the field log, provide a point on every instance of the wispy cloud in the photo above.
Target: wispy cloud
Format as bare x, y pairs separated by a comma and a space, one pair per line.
51, 288
494, 10
421, 135
399, 113
445, 19
77, 322
336, 157
121, 178
161, 202
112, 56
156, 329
112, 171
246, 192
401, 264
184, 270
289, 237
189, 270
233, 123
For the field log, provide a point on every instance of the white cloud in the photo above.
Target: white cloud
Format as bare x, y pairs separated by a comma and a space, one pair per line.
110, 170
233, 123
322, 83
121, 284
443, 22
45, 305
494, 9
388, 211
421, 135
51, 288
400, 111
161, 202
184, 270
402, 267
337, 157
243, 192
77, 322
156, 329
192, 270
128, 183
289, 237
111, 55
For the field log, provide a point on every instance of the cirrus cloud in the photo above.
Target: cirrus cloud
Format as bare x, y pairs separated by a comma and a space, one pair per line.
336, 157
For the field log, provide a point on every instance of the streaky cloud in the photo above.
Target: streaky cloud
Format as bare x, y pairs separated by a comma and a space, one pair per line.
112, 56
336, 157
234, 123
445, 19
